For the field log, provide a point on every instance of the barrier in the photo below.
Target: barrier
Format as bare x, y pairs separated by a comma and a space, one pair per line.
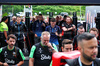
56, 57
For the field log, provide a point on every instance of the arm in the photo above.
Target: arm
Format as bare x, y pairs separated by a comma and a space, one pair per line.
3, 64
20, 63
53, 49
64, 29
31, 62
5, 33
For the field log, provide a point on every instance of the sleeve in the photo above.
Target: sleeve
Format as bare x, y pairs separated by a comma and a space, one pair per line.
32, 51
33, 27
46, 29
59, 30
25, 27
75, 43
55, 47
1, 54
5, 27
21, 57
63, 25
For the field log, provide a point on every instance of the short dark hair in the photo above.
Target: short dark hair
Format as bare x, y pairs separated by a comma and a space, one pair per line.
65, 16
94, 29
80, 27
4, 18
11, 36
52, 20
85, 36
66, 41
40, 14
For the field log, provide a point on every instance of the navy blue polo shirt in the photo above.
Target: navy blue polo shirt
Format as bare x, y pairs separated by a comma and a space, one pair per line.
37, 27
53, 37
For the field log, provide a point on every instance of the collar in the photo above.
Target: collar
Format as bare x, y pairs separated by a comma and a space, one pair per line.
18, 24
54, 26
42, 44
10, 49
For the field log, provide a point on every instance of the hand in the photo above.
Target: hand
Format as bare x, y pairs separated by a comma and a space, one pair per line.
49, 45
5, 64
43, 24
73, 27
35, 35
56, 33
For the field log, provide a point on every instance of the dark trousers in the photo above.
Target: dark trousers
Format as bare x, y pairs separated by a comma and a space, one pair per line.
20, 44
2, 42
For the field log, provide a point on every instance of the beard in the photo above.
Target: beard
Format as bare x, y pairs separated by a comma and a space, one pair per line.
90, 59
11, 45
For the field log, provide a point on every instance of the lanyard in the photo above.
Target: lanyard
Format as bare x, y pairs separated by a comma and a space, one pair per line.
81, 63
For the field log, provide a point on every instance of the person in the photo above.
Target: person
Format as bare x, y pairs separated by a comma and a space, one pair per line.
3, 31
80, 30
88, 47
95, 32
13, 20
41, 53
54, 31
67, 45
38, 28
11, 55
19, 29
68, 28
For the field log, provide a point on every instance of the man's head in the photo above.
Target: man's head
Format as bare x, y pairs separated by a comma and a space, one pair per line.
40, 17
18, 19
80, 30
14, 18
64, 18
67, 45
53, 21
94, 31
11, 40
68, 20
4, 19
88, 46
45, 37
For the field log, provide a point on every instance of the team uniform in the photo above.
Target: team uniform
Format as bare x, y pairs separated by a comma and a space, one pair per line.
37, 28
68, 34
53, 37
3, 27
11, 57
18, 30
41, 54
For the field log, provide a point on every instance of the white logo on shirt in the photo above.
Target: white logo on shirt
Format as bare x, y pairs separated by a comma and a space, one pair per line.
43, 57
9, 61
40, 50
5, 54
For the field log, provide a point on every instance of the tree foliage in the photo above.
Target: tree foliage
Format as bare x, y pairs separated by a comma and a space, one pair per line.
44, 9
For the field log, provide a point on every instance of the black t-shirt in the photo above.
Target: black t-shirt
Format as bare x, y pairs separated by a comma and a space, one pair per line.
42, 56
68, 34
86, 65
11, 57
75, 62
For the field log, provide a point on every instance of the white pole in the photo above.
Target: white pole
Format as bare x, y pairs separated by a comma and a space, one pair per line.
80, 13
0, 12
12, 10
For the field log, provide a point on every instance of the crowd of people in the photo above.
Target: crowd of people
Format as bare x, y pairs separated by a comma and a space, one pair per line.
47, 36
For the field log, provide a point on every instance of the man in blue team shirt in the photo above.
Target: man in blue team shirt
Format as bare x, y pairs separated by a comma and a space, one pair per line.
38, 27
54, 31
